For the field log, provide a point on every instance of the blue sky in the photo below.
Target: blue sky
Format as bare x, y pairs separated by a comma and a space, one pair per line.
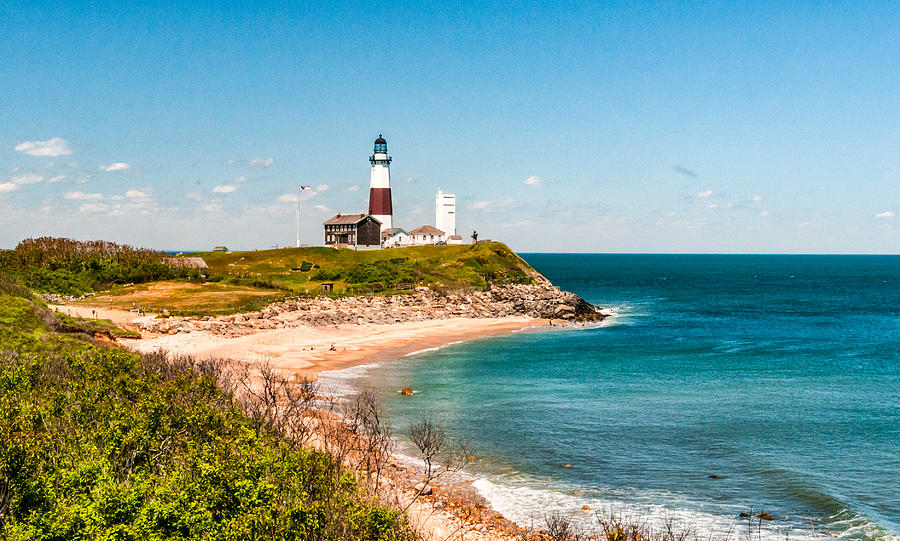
581, 127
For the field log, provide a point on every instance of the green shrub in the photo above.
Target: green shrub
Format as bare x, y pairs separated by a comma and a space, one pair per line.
101, 443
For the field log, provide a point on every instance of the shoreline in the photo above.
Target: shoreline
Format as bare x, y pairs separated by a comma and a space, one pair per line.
303, 350
457, 509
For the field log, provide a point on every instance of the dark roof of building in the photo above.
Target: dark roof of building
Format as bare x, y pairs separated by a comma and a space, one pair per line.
454, 237
348, 219
426, 230
380, 140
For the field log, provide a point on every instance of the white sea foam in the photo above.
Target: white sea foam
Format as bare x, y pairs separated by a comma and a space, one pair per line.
528, 501
343, 382
426, 350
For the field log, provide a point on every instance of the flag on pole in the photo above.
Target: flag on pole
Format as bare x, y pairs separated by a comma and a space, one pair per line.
304, 188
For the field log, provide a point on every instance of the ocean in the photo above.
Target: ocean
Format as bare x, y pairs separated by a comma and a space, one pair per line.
724, 384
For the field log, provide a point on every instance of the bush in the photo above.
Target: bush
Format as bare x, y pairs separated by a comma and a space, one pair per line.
100, 443
70, 267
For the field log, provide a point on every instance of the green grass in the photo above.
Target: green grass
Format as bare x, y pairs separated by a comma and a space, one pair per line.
91, 326
101, 443
452, 266
247, 281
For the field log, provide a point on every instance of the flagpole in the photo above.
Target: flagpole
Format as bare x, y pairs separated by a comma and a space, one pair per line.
299, 192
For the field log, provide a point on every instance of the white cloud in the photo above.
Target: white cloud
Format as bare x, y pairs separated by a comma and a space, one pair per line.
193, 196
28, 178
885, 214
705, 195
138, 194
93, 207
757, 198
56, 146
81, 196
322, 188
6, 187
241, 179
493, 206
261, 162
57, 178
533, 181
287, 198
215, 206
323, 208
354, 188
118, 166
764, 213
713, 206
224, 189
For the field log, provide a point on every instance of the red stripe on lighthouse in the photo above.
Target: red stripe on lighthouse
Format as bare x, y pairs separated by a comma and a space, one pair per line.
380, 202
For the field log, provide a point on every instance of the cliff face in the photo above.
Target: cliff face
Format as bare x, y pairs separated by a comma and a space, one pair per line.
538, 301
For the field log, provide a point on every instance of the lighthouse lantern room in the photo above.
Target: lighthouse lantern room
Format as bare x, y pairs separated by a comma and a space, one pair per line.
380, 206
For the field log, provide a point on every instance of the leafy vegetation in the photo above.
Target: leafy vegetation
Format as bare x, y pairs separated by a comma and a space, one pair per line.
70, 267
100, 443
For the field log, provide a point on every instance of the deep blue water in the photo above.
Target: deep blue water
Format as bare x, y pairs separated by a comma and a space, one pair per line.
779, 374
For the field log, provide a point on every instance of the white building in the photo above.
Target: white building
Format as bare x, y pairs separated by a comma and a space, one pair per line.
426, 234
445, 212
395, 237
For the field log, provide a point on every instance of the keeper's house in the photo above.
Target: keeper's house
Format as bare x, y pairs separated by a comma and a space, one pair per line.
427, 235
356, 231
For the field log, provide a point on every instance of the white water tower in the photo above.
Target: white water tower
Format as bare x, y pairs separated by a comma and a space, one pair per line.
445, 212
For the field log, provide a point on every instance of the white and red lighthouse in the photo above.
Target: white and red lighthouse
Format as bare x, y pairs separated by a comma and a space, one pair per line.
380, 206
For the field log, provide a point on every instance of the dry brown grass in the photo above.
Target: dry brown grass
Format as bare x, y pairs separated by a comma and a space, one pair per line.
182, 297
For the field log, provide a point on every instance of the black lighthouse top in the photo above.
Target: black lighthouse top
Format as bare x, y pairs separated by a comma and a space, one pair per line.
380, 144
380, 148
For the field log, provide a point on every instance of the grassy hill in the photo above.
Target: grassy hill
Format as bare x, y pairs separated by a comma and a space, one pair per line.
127, 278
303, 270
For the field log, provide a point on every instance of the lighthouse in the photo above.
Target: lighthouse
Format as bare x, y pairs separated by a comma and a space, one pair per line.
380, 206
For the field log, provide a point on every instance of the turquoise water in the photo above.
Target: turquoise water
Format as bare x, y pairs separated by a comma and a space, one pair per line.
779, 374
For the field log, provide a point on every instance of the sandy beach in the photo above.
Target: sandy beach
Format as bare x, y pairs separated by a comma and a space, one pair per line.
308, 350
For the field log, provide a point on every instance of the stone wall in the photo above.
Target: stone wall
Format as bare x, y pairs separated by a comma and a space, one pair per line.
537, 301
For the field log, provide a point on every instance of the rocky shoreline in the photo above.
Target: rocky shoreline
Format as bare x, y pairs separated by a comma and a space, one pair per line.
542, 301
